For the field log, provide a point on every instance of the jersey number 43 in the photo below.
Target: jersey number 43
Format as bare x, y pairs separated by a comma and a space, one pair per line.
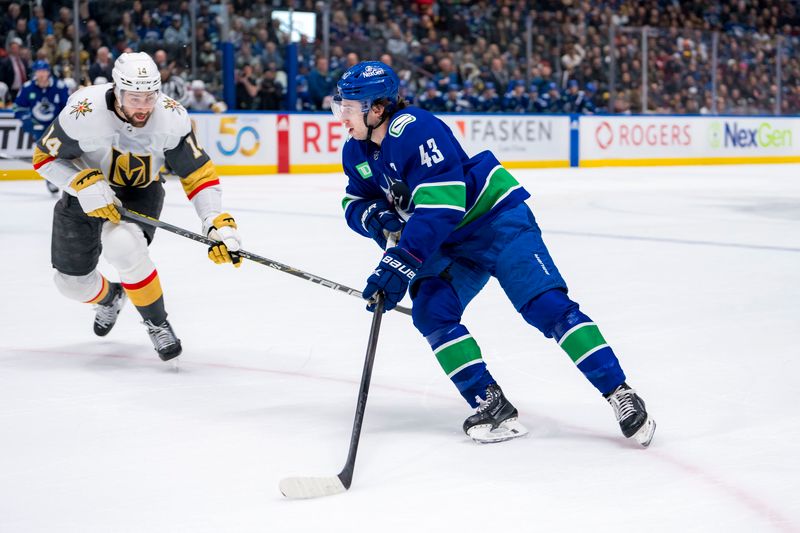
430, 160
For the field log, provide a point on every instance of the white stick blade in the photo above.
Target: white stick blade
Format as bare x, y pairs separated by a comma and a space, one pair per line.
310, 487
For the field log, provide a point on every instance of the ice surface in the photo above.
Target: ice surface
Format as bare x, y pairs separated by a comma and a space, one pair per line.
693, 274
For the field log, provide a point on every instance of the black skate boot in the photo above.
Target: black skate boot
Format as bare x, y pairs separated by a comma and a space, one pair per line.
164, 340
495, 419
632, 417
52, 188
106, 315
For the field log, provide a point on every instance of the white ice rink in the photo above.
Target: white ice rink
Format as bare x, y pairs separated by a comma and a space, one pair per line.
693, 274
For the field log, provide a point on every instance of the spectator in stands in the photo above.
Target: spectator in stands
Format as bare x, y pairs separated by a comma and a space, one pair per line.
489, 101
198, 99
9, 21
447, 75
271, 92
93, 39
19, 33
172, 85
431, 100
148, 30
320, 83
102, 65
14, 69
175, 34
246, 89
272, 55
516, 100
4, 101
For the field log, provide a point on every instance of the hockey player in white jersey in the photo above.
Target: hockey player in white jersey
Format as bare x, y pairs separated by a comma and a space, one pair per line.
106, 149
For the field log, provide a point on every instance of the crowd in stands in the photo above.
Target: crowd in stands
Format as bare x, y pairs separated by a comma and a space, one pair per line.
451, 55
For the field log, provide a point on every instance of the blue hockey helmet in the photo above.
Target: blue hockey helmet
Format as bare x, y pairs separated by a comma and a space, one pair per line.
367, 82
370, 81
40, 64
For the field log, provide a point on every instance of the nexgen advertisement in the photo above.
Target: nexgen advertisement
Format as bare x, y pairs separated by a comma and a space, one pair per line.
675, 140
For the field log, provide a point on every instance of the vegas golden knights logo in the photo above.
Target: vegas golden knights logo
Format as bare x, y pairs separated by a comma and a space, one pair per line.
129, 170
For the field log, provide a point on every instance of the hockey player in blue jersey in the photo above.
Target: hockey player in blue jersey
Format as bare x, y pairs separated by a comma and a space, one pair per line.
39, 102
461, 220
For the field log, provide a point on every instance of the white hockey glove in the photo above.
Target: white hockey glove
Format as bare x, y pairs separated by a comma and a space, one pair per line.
222, 228
95, 195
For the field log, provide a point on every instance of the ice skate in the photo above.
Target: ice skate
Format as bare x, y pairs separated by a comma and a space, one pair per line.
54, 190
164, 340
495, 420
633, 419
106, 315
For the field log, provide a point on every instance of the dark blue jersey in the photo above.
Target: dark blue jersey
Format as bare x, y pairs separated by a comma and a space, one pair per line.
37, 107
421, 170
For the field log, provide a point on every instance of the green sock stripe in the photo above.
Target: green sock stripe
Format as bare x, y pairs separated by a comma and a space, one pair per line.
581, 340
456, 354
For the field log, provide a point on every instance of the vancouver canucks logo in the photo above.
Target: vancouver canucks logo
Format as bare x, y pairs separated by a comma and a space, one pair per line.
129, 170
399, 124
81, 108
171, 104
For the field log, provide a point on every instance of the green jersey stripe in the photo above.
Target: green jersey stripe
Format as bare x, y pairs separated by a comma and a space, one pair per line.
445, 194
499, 185
581, 340
456, 354
348, 199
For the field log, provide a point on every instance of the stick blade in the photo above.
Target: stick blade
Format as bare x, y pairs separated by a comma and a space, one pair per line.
311, 487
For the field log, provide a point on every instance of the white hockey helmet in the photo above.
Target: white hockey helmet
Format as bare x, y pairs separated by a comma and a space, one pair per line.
135, 72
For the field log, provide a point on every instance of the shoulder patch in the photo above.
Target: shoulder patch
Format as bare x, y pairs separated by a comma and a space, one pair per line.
171, 104
399, 124
364, 170
81, 108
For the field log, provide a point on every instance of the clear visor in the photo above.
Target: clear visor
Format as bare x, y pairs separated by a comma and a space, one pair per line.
348, 109
131, 99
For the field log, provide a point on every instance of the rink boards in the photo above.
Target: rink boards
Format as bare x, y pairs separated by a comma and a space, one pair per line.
252, 143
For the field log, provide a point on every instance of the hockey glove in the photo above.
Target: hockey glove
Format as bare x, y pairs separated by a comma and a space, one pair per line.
391, 277
380, 221
95, 195
222, 228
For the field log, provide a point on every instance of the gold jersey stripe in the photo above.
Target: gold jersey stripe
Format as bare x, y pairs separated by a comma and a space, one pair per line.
201, 178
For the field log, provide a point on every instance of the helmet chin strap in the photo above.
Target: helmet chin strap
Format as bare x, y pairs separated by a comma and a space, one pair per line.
384, 116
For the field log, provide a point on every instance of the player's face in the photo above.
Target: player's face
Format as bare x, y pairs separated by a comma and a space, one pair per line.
137, 107
351, 114
42, 77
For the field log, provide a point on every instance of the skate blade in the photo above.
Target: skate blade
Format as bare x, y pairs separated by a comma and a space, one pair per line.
507, 430
645, 434
174, 364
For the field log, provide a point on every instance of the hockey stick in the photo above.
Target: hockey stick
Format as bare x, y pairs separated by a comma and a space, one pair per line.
144, 219
315, 487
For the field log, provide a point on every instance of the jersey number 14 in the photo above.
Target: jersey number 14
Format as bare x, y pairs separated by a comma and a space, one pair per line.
430, 160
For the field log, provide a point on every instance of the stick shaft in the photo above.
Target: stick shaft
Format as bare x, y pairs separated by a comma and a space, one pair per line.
346, 475
144, 219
